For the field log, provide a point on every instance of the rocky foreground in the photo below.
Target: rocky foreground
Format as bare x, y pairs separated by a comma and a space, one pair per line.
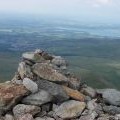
43, 89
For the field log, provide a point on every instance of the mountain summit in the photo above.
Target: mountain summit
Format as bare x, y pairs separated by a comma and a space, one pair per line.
44, 89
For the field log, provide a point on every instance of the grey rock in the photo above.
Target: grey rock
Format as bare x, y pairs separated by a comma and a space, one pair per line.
70, 109
104, 117
9, 117
46, 107
28, 55
26, 117
47, 72
19, 82
21, 109
117, 117
37, 56
91, 116
111, 96
59, 61
89, 91
30, 85
112, 110
24, 70
39, 98
74, 82
55, 90
44, 118
91, 105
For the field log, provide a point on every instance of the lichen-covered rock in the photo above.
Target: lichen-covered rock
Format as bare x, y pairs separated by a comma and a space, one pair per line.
74, 94
30, 85
21, 109
39, 98
54, 89
70, 109
10, 95
46, 71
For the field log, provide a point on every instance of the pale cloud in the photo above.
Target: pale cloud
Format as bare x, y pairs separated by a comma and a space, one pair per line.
99, 3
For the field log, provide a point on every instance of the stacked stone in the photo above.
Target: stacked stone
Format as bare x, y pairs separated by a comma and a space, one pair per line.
43, 89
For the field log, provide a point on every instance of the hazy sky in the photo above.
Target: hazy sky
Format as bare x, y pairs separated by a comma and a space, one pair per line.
103, 10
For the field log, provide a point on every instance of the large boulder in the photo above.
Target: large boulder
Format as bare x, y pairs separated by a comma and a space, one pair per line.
54, 89
111, 96
10, 95
21, 109
39, 98
70, 109
46, 71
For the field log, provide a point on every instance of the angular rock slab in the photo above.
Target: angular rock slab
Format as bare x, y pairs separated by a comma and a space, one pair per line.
55, 90
70, 109
10, 94
21, 109
74, 94
38, 98
32, 56
46, 71
30, 85
111, 96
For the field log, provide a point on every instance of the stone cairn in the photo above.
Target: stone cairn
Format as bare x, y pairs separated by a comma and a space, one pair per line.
43, 89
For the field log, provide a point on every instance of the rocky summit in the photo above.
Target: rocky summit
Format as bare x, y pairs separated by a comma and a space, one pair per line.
44, 89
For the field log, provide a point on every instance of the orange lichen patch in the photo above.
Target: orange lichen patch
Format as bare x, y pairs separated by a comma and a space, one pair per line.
9, 91
75, 94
